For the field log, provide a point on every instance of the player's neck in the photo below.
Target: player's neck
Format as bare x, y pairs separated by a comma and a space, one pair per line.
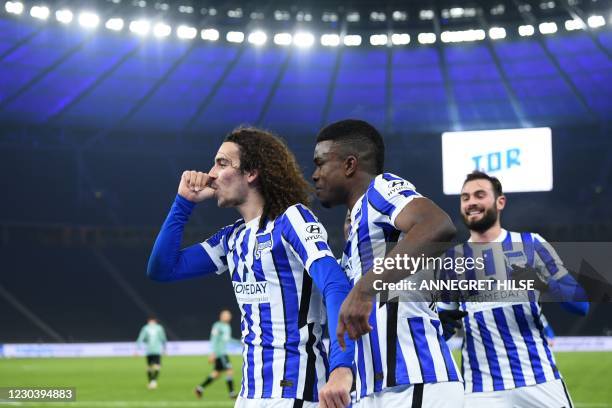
252, 206
359, 187
489, 235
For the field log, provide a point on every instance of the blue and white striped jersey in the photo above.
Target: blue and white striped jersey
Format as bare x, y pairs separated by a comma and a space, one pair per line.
282, 310
504, 345
406, 344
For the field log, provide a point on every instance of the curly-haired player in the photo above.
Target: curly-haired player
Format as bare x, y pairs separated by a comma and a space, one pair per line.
274, 253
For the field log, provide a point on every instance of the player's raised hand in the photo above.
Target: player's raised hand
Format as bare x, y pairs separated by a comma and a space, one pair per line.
195, 186
336, 393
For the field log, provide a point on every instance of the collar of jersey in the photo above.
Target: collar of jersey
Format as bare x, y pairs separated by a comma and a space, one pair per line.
500, 237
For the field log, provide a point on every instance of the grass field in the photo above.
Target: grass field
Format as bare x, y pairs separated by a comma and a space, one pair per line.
121, 382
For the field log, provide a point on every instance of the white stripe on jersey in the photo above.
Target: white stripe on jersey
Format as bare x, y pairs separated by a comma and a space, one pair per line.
504, 345
418, 353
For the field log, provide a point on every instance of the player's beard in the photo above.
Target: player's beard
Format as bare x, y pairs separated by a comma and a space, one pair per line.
487, 221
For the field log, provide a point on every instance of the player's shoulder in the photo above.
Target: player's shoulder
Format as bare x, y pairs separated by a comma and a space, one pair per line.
389, 184
522, 236
299, 213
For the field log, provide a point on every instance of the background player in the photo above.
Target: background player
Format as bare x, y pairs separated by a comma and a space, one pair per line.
274, 253
506, 358
220, 336
401, 357
153, 338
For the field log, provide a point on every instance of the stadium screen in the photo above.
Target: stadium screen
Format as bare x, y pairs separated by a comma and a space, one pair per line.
520, 158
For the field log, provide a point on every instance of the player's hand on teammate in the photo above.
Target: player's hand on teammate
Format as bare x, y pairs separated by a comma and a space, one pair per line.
337, 391
195, 186
354, 315
451, 321
528, 273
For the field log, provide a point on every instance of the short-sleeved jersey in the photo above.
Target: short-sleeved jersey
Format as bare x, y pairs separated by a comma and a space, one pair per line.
504, 345
406, 344
220, 335
153, 337
282, 311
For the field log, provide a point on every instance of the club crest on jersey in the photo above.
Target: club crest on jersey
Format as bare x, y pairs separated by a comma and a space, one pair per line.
264, 243
314, 232
395, 186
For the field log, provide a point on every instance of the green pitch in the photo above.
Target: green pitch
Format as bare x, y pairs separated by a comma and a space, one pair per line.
121, 382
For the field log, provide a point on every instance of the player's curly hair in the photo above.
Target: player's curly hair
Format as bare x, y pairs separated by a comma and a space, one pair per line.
281, 181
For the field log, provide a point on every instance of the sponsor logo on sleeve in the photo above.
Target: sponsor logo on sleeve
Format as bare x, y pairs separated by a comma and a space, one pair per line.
314, 232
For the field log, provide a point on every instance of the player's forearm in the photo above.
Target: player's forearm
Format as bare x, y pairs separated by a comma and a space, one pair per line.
569, 292
426, 239
167, 261
334, 286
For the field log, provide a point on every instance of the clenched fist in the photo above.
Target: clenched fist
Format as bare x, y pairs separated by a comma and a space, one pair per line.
195, 186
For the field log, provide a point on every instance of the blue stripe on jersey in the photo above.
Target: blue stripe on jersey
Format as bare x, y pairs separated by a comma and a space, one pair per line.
291, 310
248, 340
242, 328
448, 358
378, 370
267, 336
513, 357
494, 369
489, 262
507, 243
236, 272
379, 203
527, 247
417, 330
244, 245
390, 177
321, 246
534, 358
474, 367
470, 273
324, 355
408, 193
306, 215
367, 260
361, 367
549, 261
540, 326
401, 370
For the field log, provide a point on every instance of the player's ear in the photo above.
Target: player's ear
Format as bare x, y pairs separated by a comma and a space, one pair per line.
350, 165
501, 202
252, 175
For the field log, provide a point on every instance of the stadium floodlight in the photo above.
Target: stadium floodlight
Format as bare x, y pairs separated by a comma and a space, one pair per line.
13, 7
497, 33
40, 12
64, 16
235, 37
596, 21
462, 36
283, 39
426, 15
526, 30
210, 34
575, 24
161, 30
352, 40
399, 15
88, 19
353, 17
426, 38
548, 27
303, 39
185, 32
114, 24
330, 40
400, 39
379, 39
257, 37
140, 27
